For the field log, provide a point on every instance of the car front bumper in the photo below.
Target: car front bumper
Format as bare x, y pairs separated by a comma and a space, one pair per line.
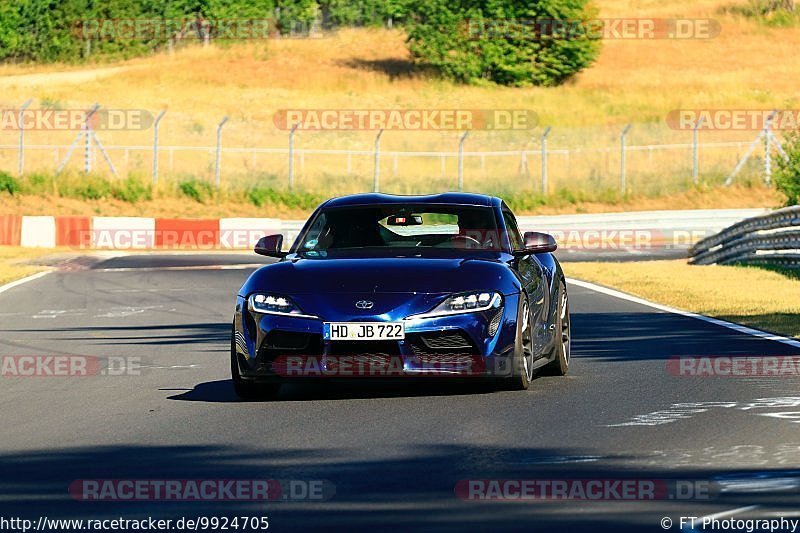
272, 348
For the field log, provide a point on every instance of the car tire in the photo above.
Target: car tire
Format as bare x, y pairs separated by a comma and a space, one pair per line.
522, 359
559, 366
248, 390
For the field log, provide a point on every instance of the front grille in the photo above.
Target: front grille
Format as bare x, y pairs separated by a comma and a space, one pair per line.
445, 341
448, 359
288, 343
291, 340
359, 364
441, 343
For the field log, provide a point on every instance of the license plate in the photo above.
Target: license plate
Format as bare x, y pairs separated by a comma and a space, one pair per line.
360, 331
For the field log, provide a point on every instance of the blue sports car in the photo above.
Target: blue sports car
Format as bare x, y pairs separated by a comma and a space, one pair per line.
403, 286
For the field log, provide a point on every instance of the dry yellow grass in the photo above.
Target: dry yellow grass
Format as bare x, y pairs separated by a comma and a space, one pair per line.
636, 81
751, 296
170, 206
15, 262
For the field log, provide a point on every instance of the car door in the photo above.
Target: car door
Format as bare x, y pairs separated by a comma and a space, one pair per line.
533, 281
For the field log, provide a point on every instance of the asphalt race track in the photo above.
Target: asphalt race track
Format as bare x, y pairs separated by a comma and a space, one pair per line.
392, 452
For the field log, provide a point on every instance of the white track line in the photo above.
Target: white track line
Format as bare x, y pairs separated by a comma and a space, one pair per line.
730, 325
13, 284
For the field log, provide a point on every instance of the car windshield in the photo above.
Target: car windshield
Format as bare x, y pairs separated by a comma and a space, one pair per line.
401, 226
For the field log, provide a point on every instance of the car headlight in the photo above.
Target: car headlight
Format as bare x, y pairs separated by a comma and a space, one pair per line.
273, 304
468, 302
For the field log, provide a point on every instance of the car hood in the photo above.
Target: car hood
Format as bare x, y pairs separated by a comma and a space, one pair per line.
399, 274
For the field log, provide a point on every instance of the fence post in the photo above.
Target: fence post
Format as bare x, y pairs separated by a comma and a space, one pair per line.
544, 159
219, 151
291, 155
155, 146
377, 152
695, 152
87, 138
749, 152
622, 184
21, 157
767, 156
768, 149
461, 160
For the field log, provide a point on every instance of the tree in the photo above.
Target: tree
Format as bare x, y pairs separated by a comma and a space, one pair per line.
787, 176
510, 42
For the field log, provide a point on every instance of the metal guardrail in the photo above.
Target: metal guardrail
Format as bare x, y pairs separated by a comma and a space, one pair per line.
773, 238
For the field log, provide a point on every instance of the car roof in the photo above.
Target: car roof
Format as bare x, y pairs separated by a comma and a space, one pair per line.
452, 198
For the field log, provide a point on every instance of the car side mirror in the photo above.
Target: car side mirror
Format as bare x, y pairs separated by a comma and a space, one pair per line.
539, 243
270, 246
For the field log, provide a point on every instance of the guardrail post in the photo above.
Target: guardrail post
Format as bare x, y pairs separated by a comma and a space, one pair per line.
21, 155
376, 161
219, 151
544, 159
622, 184
155, 146
695, 153
291, 155
461, 160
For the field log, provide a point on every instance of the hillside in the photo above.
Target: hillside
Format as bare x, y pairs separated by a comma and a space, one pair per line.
633, 81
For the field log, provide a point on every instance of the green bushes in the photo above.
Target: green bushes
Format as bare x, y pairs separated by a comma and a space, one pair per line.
8, 183
88, 188
787, 175
68, 30
364, 12
775, 13
83, 187
132, 190
468, 41
537, 42
199, 191
261, 196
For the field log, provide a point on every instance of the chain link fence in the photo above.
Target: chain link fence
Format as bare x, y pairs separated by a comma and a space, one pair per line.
245, 151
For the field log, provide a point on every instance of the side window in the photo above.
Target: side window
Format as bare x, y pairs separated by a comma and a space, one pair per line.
513, 231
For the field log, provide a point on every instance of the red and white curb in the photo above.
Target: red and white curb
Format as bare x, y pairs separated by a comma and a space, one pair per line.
131, 233
630, 231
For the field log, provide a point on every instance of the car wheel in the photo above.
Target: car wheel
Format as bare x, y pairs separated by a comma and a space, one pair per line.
522, 361
561, 350
247, 390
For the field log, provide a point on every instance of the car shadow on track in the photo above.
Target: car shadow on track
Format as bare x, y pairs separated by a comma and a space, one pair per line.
221, 391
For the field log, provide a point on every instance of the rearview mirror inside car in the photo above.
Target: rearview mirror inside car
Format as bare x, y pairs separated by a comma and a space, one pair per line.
404, 220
